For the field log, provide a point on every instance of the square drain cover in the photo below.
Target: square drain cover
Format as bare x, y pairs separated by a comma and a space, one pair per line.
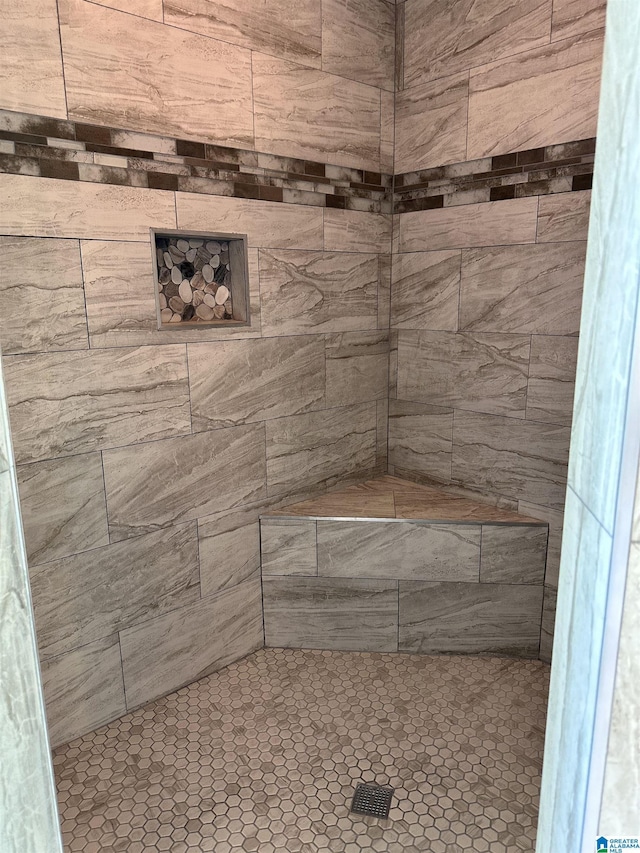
372, 800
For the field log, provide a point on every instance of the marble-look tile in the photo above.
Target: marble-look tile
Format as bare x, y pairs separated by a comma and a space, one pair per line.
161, 482
41, 310
425, 290
358, 39
521, 102
349, 614
288, 547
485, 373
555, 520
83, 689
63, 506
66, 403
317, 291
495, 223
121, 312
115, 74
404, 550
442, 38
547, 628
420, 438
384, 292
355, 231
572, 17
31, 77
514, 554
262, 379
523, 289
266, 223
229, 548
469, 618
46, 207
303, 112
177, 648
357, 367
563, 216
552, 376
320, 448
454, 504
363, 500
151, 9
387, 130
522, 460
431, 124
89, 596
289, 30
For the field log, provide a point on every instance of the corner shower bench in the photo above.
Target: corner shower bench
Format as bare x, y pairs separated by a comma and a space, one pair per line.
389, 565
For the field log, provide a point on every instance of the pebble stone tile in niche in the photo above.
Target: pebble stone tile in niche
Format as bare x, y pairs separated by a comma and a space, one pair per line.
265, 756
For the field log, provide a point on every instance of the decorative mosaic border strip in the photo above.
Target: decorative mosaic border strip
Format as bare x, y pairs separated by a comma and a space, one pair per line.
73, 151
537, 171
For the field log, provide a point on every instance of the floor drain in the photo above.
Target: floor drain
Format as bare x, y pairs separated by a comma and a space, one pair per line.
372, 800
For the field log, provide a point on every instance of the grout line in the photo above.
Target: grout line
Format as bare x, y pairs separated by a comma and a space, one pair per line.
64, 81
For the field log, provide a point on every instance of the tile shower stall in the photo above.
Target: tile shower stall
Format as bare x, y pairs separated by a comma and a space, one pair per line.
290, 316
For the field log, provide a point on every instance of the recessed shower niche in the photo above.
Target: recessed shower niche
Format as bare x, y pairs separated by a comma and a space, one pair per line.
201, 279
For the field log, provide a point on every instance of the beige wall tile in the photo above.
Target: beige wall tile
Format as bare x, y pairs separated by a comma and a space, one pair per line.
515, 554
548, 623
63, 506
302, 112
31, 77
555, 520
266, 223
356, 231
67, 403
357, 367
259, 380
115, 74
44, 207
317, 291
431, 124
420, 438
494, 223
83, 689
425, 290
552, 376
384, 292
163, 654
572, 17
442, 38
229, 547
563, 216
513, 288
358, 40
144, 8
387, 130
382, 435
42, 296
289, 29
163, 482
89, 596
542, 97
288, 546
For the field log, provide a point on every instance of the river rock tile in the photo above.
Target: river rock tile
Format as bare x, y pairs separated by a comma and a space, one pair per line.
420, 438
288, 547
552, 372
425, 289
513, 554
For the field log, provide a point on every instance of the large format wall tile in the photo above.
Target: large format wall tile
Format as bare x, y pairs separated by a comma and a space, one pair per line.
259, 380
89, 596
563, 216
486, 373
63, 506
289, 30
229, 548
116, 74
31, 77
521, 102
548, 623
302, 112
442, 37
163, 654
513, 554
431, 124
467, 618
402, 550
425, 290
42, 297
155, 484
317, 291
266, 223
144, 8
356, 231
83, 689
387, 130
420, 438
331, 613
555, 520
552, 377
523, 289
495, 223
288, 546
67, 403
522, 460
358, 39
357, 367
45, 207
571, 17
320, 448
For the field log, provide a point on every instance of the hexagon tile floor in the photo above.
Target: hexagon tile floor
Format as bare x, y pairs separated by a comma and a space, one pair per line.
264, 756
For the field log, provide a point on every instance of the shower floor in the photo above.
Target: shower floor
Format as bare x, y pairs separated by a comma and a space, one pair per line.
265, 755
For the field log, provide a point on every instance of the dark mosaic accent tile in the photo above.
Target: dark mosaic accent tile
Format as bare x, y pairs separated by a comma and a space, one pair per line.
373, 178
184, 148
271, 193
92, 133
162, 181
532, 155
12, 165
112, 175
582, 182
44, 152
189, 184
312, 168
578, 169
235, 156
372, 188
60, 169
541, 175
502, 193
37, 125
431, 203
98, 148
246, 190
339, 202
579, 148
23, 137
398, 181
555, 185
504, 161
157, 166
